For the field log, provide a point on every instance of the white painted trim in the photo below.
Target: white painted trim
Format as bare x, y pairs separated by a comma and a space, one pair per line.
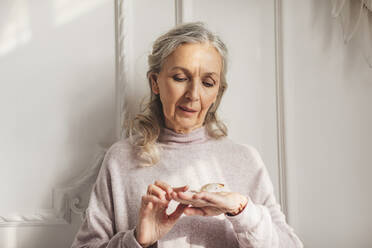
65, 200
183, 11
280, 109
123, 24
178, 11
40, 218
117, 66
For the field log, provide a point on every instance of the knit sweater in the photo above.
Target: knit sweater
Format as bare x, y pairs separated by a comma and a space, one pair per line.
192, 159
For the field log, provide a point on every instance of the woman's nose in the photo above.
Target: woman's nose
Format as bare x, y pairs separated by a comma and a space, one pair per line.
193, 91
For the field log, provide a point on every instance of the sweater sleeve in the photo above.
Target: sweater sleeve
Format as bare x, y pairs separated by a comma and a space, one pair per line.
262, 224
98, 227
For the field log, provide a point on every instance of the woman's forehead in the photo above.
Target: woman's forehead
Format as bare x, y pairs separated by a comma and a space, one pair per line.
204, 70
190, 57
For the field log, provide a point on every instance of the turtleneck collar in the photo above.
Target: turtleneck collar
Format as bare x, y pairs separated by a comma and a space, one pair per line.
170, 137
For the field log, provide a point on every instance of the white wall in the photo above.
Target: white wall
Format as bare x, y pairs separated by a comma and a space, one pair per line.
58, 71
59, 100
328, 95
57, 77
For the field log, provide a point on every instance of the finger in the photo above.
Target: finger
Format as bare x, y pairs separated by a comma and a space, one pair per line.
182, 197
208, 197
185, 195
187, 198
146, 199
190, 211
181, 189
163, 185
178, 212
182, 201
148, 207
192, 198
156, 191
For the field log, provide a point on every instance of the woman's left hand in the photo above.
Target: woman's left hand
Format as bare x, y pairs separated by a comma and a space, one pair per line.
210, 203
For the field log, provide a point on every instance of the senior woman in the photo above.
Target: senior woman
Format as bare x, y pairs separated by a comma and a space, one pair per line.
149, 192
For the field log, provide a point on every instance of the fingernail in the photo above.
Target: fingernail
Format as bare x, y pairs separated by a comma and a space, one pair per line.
167, 196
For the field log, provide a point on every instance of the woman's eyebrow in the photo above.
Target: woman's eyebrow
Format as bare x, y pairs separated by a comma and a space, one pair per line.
188, 72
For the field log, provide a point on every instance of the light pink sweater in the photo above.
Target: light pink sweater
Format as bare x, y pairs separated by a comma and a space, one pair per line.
194, 159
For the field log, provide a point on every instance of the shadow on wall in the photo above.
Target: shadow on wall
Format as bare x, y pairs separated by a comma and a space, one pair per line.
16, 24
27, 26
332, 31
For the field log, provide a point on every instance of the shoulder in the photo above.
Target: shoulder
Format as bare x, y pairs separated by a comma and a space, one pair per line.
247, 150
120, 146
120, 153
252, 152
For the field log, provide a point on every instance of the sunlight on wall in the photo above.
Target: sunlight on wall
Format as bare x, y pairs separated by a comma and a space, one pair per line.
10, 237
67, 10
15, 29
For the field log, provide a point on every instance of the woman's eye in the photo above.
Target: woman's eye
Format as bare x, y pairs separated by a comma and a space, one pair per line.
179, 79
207, 84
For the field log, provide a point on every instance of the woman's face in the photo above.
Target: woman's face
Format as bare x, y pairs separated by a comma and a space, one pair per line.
188, 84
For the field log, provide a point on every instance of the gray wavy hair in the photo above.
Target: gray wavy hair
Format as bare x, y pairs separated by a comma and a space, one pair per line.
144, 130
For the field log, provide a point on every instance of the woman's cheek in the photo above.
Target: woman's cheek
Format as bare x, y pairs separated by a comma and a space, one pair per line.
170, 106
210, 100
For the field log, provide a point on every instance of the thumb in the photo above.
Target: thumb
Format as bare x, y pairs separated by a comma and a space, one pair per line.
181, 189
178, 212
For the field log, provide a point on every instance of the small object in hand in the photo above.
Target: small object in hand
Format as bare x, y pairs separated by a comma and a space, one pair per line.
210, 187
241, 208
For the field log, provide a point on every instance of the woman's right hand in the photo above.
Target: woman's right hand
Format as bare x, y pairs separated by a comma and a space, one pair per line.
154, 222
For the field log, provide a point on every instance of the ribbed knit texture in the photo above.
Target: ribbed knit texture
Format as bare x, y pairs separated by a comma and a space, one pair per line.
194, 159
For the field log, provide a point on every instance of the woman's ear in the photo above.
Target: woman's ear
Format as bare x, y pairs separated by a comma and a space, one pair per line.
154, 83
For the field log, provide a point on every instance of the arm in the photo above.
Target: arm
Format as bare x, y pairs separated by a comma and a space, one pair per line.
262, 224
98, 227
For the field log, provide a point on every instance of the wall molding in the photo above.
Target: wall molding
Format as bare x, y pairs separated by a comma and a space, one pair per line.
123, 44
280, 108
64, 201
183, 11
67, 199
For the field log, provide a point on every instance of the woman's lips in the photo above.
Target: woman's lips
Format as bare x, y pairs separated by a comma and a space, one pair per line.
186, 109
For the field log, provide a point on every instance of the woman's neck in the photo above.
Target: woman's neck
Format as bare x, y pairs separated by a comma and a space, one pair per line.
179, 129
169, 136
